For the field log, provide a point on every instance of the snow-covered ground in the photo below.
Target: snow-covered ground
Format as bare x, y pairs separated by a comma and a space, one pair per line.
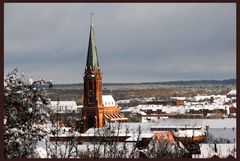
222, 150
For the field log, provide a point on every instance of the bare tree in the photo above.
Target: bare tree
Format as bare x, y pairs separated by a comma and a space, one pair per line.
105, 144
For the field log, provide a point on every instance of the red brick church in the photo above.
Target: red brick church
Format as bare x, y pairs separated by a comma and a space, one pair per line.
96, 111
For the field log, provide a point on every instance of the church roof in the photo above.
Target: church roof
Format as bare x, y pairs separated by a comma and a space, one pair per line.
92, 57
108, 100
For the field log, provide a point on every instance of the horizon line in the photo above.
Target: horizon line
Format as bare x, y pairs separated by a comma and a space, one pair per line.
154, 81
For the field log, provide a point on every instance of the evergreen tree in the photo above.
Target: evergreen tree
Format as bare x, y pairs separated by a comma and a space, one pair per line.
25, 112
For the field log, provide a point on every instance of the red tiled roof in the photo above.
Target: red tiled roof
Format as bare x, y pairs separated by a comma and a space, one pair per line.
166, 136
114, 117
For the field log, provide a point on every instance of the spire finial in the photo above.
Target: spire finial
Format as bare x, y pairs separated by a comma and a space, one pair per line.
91, 14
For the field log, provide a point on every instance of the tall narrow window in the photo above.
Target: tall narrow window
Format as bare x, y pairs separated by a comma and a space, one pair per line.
90, 93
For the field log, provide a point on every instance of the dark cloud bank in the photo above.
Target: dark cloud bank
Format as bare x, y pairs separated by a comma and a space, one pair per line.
136, 42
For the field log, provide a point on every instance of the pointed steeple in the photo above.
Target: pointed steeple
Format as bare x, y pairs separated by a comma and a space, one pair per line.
92, 57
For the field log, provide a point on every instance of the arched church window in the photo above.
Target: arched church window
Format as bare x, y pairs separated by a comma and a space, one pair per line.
91, 121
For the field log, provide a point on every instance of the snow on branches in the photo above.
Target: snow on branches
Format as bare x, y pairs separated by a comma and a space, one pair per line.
25, 109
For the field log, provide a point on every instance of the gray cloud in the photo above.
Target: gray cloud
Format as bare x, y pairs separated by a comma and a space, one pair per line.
136, 42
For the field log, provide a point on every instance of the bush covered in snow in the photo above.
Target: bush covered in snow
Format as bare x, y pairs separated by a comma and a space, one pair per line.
25, 109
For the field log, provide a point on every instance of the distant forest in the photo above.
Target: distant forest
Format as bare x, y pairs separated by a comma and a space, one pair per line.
174, 83
195, 82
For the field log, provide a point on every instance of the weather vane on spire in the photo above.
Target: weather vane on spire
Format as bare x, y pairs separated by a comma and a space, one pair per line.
91, 14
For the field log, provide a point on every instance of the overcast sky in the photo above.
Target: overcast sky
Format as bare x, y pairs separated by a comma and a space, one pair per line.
136, 42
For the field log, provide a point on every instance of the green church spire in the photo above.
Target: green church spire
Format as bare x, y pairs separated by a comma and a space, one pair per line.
92, 57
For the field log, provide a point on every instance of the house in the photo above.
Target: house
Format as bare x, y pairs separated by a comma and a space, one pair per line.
189, 135
199, 98
164, 145
66, 111
232, 111
63, 106
123, 103
165, 136
232, 93
179, 101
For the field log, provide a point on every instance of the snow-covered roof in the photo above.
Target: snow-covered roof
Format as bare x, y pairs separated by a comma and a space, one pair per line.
150, 107
63, 106
214, 106
194, 103
63, 103
232, 92
149, 99
218, 128
133, 138
65, 131
177, 127
117, 132
136, 136
93, 132
173, 109
149, 119
219, 96
133, 110
212, 123
108, 100
233, 98
223, 150
142, 113
123, 101
188, 133
164, 138
178, 98
219, 103
234, 104
198, 97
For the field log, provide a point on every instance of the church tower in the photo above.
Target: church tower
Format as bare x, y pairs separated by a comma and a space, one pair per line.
92, 103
